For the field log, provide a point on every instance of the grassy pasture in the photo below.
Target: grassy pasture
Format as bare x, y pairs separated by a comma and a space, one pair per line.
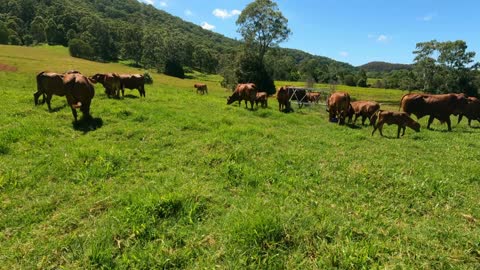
179, 180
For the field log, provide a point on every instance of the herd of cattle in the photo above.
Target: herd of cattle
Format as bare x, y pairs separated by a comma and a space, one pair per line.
340, 107
79, 90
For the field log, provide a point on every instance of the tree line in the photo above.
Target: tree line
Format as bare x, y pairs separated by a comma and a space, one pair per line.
113, 30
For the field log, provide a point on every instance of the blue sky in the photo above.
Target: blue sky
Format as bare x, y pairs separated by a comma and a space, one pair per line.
352, 31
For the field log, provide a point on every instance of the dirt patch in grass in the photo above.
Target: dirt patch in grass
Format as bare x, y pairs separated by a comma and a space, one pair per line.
4, 67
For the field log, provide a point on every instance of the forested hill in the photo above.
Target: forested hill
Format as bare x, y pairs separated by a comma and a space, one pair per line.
109, 30
384, 67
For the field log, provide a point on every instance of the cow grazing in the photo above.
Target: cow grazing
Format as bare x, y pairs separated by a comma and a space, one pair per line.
262, 98
79, 92
365, 109
435, 106
244, 91
401, 119
111, 82
48, 84
133, 81
472, 111
283, 98
338, 105
201, 88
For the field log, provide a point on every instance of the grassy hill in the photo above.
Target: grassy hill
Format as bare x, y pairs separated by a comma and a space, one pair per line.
378, 66
179, 180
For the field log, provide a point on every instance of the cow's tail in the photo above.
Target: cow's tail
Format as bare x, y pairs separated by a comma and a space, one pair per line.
374, 118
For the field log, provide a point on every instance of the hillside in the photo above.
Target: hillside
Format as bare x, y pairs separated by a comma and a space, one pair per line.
180, 180
109, 30
384, 67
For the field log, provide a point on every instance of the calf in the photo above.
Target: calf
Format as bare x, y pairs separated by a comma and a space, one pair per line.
262, 98
472, 111
111, 82
338, 105
401, 119
201, 88
365, 109
133, 81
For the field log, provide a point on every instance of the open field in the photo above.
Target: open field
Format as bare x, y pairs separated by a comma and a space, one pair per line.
179, 180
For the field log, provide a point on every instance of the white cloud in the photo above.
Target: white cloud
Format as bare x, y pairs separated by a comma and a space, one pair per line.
382, 38
427, 17
344, 54
224, 14
207, 26
148, 1
188, 12
162, 3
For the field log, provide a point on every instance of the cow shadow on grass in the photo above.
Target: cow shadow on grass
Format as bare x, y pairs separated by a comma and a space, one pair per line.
87, 124
130, 96
59, 108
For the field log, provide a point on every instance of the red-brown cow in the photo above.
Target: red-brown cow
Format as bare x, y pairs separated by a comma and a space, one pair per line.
111, 82
365, 109
48, 84
283, 99
244, 91
338, 105
133, 81
313, 97
262, 98
435, 106
472, 111
201, 88
79, 92
401, 119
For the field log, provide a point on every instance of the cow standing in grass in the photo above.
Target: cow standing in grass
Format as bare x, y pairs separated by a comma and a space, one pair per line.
201, 88
365, 109
244, 91
435, 106
401, 119
283, 97
111, 82
79, 92
49, 84
338, 105
133, 81
472, 111
262, 98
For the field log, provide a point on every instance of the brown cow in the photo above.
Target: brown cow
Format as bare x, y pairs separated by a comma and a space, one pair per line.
262, 98
79, 92
284, 99
435, 106
201, 88
313, 97
363, 108
244, 91
338, 105
48, 84
111, 82
472, 111
133, 81
401, 119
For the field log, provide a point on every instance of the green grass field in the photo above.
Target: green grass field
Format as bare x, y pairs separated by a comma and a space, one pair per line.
179, 180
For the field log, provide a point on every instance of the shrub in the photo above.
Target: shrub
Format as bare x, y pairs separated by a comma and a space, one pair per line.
79, 48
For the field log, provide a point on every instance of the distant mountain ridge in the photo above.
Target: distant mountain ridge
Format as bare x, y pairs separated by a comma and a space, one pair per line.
379, 66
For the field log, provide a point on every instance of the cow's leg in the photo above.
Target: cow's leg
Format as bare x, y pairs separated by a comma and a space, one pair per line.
380, 129
251, 104
35, 97
49, 98
460, 116
449, 123
404, 128
364, 117
430, 120
143, 91
374, 129
398, 131
469, 122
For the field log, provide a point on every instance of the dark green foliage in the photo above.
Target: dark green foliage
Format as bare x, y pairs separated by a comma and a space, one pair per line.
252, 70
13, 39
349, 80
378, 66
3, 33
27, 40
37, 30
79, 48
148, 78
174, 68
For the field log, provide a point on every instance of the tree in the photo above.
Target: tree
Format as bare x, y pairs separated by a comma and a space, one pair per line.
262, 25
3, 33
37, 30
79, 48
362, 78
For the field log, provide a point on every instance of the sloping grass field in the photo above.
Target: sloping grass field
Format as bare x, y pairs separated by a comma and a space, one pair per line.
180, 180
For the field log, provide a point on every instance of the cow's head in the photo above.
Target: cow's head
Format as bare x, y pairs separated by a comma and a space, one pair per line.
97, 78
414, 125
